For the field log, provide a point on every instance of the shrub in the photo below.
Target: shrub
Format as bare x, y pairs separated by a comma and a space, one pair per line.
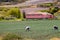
57, 15
15, 12
44, 10
53, 10
45, 5
3, 9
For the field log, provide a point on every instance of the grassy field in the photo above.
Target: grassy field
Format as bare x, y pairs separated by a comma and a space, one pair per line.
40, 30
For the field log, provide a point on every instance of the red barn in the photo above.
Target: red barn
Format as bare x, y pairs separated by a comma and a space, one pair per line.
38, 15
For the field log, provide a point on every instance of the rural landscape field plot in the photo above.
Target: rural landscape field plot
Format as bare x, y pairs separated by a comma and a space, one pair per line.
40, 30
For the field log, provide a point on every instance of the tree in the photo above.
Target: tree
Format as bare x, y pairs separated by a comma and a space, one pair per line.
15, 12
53, 10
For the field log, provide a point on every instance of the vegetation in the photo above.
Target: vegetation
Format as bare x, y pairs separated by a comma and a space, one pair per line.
53, 10
10, 13
57, 14
44, 10
15, 12
45, 5
40, 30
10, 36
13, 1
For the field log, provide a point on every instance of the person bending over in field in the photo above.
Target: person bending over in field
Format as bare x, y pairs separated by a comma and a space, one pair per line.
27, 28
55, 27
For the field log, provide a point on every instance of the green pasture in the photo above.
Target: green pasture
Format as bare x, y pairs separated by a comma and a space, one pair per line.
40, 29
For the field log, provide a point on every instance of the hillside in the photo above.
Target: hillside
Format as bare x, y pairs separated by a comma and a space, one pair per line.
13, 1
25, 2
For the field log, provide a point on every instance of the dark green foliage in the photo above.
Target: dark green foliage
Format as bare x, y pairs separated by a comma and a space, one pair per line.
1, 18
53, 10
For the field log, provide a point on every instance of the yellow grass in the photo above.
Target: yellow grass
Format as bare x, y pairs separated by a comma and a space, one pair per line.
0, 38
28, 39
55, 38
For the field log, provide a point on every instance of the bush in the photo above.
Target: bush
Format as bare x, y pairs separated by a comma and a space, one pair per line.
44, 10
45, 5
53, 10
15, 12
3, 9
11, 13
1, 18
57, 15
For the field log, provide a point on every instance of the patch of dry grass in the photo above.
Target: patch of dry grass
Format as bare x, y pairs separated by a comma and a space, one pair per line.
55, 38
28, 39
10, 36
1, 38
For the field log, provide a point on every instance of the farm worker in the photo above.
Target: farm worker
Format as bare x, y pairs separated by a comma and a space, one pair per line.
27, 28
55, 27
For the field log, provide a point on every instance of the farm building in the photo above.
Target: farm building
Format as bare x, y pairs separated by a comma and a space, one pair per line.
38, 15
